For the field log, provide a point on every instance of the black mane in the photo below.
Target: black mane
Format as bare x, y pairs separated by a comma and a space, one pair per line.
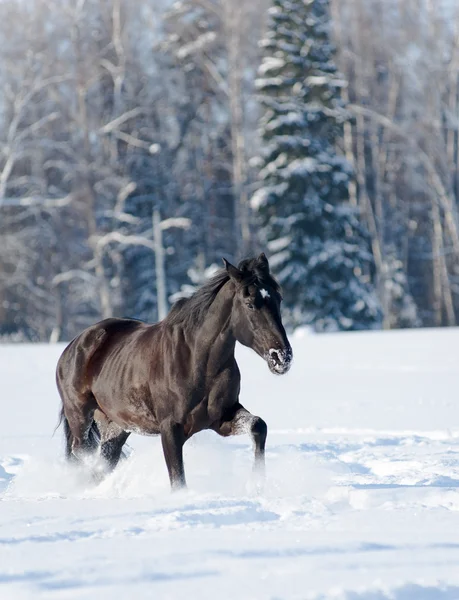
194, 309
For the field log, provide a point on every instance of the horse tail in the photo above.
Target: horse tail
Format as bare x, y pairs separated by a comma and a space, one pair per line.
67, 433
76, 357
68, 436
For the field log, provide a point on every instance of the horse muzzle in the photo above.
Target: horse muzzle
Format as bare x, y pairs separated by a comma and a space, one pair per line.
279, 360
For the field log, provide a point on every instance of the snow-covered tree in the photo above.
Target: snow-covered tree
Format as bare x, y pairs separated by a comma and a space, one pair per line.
400, 309
198, 274
318, 247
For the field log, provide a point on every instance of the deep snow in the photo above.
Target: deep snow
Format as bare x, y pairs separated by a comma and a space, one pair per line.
361, 499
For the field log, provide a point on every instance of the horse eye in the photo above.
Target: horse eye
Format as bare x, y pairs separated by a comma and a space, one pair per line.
250, 305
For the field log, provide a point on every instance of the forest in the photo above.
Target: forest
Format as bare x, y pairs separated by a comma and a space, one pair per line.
142, 141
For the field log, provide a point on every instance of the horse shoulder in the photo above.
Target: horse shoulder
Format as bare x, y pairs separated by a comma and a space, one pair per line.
171, 353
224, 391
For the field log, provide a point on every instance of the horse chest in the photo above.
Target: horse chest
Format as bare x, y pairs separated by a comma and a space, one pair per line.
211, 406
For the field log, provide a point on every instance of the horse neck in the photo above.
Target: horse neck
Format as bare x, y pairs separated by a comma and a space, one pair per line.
214, 339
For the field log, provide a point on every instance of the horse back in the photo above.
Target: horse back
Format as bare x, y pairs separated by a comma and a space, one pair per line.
81, 358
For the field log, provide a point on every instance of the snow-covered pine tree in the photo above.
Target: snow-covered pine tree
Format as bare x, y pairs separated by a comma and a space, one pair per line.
318, 248
400, 310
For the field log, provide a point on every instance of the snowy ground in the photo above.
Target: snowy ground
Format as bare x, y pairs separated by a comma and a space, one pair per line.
361, 500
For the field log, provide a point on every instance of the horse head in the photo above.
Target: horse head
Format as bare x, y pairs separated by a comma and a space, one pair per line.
256, 318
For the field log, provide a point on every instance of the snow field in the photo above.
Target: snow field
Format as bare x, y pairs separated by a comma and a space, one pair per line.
361, 499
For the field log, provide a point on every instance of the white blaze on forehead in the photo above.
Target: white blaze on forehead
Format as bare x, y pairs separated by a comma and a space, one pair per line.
264, 293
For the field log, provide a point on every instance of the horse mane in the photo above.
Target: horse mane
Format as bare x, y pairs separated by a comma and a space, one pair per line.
193, 310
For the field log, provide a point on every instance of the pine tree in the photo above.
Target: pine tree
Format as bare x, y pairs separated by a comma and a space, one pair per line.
317, 245
400, 309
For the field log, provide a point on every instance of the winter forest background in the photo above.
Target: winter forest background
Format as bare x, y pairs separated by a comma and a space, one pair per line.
141, 141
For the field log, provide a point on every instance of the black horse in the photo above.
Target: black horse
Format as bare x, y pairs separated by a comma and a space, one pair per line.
176, 377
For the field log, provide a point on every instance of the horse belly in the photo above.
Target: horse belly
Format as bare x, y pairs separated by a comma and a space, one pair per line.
141, 425
133, 412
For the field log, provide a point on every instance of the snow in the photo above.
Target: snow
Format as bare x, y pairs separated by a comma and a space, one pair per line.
259, 198
196, 45
318, 80
361, 499
265, 82
279, 244
270, 63
288, 120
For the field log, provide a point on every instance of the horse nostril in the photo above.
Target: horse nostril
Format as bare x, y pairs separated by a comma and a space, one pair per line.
274, 355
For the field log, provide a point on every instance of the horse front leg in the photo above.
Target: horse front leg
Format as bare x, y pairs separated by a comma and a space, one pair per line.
173, 439
239, 420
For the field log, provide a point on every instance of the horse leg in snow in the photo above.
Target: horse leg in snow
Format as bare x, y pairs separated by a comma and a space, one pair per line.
172, 439
79, 413
238, 420
112, 440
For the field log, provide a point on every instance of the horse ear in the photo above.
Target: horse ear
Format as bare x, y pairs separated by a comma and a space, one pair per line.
263, 262
233, 271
